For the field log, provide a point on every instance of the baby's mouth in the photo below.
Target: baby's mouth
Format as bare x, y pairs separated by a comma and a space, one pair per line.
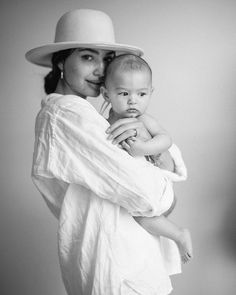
132, 110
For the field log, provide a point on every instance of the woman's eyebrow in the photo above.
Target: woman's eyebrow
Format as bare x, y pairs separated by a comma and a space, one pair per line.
110, 52
89, 49
94, 51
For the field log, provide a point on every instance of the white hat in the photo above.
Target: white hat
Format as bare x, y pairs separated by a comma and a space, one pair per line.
81, 28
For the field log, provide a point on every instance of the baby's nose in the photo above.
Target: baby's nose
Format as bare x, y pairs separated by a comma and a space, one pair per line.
132, 99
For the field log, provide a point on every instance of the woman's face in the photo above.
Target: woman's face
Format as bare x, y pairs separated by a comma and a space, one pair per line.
84, 71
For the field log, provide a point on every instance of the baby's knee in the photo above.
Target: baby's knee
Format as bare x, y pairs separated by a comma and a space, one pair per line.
170, 210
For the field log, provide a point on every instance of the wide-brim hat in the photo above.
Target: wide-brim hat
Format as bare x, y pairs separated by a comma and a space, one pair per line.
81, 28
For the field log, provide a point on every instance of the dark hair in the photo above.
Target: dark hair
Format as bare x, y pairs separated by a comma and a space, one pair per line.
127, 62
52, 78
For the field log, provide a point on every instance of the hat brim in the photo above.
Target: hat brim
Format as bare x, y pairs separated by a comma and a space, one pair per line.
42, 55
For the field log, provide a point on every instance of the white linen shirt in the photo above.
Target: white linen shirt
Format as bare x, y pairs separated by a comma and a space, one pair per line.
94, 188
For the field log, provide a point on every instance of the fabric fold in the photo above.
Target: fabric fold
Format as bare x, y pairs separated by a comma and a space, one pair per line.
94, 189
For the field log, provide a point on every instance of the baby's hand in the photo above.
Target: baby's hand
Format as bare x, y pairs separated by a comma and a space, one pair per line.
134, 146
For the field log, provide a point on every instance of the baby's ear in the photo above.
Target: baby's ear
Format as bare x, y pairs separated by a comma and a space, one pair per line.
104, 93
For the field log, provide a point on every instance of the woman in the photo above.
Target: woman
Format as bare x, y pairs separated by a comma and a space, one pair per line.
91, 185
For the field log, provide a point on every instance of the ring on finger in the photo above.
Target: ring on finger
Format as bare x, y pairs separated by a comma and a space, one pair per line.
135, 133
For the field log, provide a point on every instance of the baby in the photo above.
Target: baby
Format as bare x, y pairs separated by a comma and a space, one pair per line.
128, 88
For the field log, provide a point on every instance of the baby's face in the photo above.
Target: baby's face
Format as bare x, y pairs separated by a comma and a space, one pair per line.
129, 92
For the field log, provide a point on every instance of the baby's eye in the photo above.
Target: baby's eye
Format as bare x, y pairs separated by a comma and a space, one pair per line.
123, 93
87, 57
142, 93
108, 59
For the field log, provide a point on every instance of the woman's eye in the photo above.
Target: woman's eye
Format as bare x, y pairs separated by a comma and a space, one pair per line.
87, 57
108, 59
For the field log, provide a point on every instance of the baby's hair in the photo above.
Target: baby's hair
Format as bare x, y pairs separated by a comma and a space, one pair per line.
127, 62
123, 63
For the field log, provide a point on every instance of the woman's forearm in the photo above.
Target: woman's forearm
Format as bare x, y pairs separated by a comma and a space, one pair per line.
84, 156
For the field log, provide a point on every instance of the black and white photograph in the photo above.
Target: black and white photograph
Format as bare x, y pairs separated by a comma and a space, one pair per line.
118, 166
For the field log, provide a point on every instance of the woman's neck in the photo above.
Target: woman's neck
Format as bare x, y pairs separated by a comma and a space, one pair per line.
64, 89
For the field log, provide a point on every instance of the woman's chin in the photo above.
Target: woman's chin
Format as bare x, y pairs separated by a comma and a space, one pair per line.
90, 94
94, 93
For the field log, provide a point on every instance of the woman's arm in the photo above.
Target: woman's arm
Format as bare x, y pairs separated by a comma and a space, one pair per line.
159, 142
170, 161
125, 128
77, 151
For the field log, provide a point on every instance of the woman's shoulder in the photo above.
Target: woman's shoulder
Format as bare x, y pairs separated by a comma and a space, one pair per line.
65, 100
55, 102
72, 107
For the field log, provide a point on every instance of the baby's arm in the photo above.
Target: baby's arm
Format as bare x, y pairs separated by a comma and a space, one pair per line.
159, 143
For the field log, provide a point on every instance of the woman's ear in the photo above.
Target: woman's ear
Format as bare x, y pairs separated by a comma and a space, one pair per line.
60, 65
104, 93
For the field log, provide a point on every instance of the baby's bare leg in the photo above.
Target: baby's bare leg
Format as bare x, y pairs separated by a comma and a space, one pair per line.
161, 226
172, 207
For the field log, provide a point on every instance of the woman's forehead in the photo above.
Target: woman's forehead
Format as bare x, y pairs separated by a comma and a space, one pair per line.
101, 52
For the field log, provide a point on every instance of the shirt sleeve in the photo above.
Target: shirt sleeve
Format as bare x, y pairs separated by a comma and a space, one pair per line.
79, 152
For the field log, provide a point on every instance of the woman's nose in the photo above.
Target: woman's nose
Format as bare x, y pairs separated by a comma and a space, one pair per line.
99, 71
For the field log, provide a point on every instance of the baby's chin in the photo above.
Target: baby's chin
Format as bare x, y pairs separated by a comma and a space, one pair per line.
126, 115
133, 114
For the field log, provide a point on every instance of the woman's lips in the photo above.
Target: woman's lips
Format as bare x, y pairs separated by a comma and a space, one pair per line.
95, 83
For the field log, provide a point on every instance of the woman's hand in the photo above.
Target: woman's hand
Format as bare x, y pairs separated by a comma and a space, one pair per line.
134, 146
125, 128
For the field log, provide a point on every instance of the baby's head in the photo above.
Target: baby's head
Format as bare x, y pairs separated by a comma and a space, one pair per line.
128, 85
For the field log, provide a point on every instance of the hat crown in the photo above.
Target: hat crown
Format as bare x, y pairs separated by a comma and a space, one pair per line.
85, 26
80, 28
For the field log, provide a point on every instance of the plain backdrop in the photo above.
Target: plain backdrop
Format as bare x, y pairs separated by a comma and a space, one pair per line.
190, 46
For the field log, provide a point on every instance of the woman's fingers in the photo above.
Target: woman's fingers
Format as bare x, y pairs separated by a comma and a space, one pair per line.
125, 145
118, 138
126, 128
121, 122
124, 131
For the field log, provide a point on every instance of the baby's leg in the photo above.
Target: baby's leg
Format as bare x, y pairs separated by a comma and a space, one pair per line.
172, 207
161, 226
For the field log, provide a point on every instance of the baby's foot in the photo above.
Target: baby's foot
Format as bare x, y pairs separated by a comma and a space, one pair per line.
184, 244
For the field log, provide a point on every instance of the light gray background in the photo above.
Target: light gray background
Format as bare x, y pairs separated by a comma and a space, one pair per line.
191, 48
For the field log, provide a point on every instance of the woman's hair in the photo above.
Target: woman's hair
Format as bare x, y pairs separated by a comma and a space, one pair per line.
51, 79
